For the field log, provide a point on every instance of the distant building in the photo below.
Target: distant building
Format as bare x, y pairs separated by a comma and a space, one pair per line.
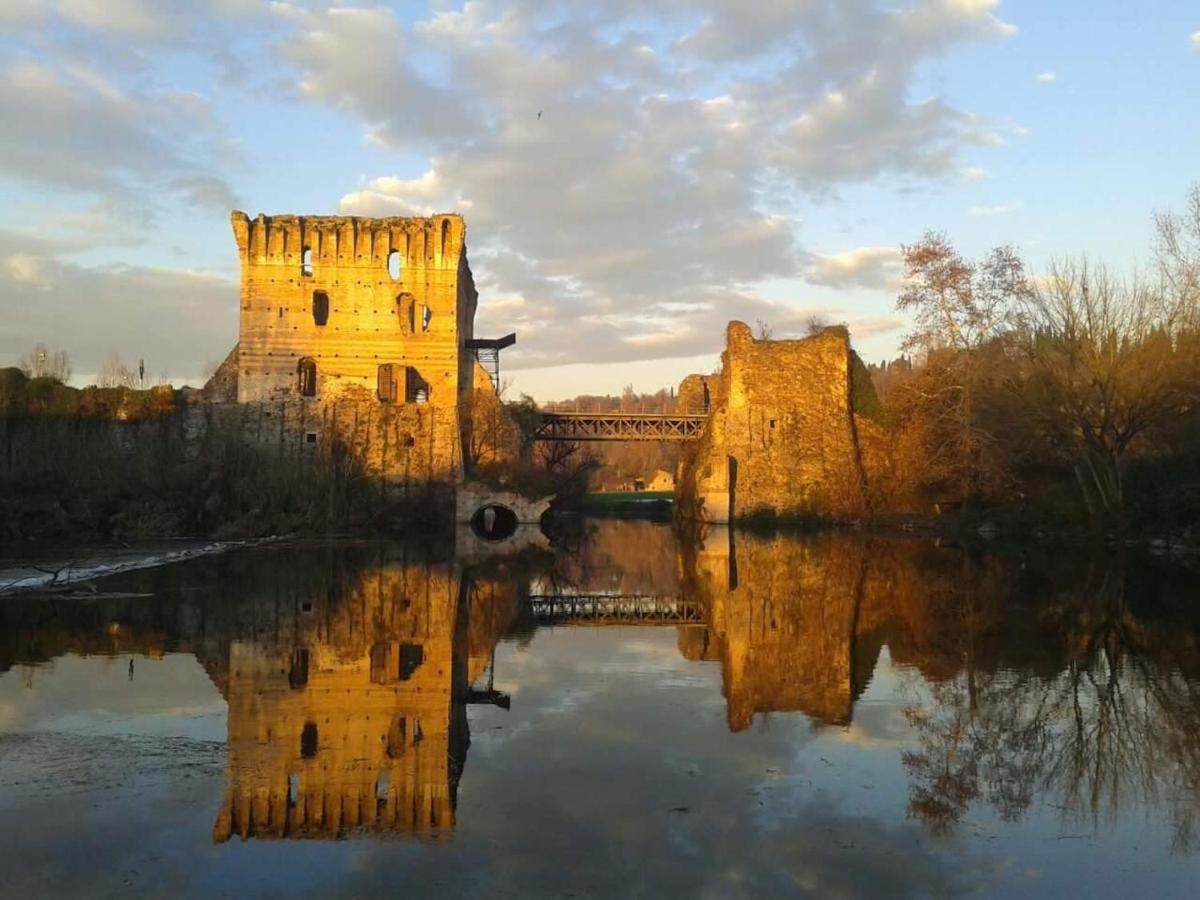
661, 481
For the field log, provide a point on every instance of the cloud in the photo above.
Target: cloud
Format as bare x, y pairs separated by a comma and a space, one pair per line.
870, 267
177, 320
81, 133
974, 173
1195, 39
613, 172
1046, 77
998, 210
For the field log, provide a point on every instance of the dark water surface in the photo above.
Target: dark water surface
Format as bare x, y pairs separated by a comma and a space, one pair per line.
836, 716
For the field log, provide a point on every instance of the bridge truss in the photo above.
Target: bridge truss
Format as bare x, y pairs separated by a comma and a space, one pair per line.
614, 609
619, 427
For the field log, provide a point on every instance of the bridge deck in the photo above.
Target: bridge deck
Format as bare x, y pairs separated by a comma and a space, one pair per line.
610, 609
619, 427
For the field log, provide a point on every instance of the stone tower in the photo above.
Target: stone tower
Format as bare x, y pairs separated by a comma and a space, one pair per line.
337, 307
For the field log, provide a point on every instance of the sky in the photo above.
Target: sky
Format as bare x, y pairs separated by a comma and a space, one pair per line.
633, 175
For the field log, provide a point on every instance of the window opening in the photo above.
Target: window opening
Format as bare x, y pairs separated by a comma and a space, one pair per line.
320, 307
298, 676
379, 663
397, 737
386, 386
411, 657
308, 740
306, 373
306, 266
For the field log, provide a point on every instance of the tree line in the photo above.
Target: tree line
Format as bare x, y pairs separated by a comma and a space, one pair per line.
1014, 385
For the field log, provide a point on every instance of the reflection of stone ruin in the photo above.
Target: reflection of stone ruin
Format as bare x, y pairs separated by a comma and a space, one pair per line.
783, 619
355, 718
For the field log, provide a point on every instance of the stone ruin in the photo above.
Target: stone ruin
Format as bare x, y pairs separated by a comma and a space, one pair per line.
782, 438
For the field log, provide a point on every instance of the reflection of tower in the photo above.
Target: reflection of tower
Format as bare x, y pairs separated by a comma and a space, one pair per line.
357, 722
783, 626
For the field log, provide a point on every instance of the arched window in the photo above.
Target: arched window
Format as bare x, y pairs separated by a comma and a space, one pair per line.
308, 740
445, 235
320, 307
393, 265
426, 317
306, 377
306, 268
298, 676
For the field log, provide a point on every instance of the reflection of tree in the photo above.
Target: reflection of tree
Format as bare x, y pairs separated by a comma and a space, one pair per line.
1116, 726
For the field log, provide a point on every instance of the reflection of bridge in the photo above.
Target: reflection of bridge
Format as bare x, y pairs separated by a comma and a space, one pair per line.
613, 609
619, 427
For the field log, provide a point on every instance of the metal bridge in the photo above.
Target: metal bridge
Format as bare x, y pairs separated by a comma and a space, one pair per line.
619, 427
614, 609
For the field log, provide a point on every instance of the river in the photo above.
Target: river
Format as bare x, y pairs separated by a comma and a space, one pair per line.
622, 715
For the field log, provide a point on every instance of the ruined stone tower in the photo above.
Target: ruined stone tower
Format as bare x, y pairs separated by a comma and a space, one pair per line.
333, 304
356, 339
781, 437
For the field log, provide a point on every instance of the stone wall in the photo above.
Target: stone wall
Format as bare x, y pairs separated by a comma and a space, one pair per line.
404, 448
781, 437
494, 435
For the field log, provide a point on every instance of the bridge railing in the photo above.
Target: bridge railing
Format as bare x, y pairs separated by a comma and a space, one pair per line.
619, 427
614, 609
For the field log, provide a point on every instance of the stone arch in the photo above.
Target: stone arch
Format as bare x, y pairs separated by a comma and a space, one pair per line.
494, 522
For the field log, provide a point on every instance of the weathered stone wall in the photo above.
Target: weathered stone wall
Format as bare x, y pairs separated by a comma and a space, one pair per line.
405, 447
494, 436
421, 319
781, 436
697, 394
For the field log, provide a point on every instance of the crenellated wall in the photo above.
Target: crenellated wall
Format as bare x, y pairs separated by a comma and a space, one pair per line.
420, 319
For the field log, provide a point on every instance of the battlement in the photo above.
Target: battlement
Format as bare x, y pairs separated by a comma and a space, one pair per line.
436, 242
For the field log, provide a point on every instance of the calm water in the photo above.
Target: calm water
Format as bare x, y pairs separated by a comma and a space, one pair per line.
830, 716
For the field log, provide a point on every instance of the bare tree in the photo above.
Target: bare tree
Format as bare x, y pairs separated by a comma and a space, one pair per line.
116, 374
1177, 253
959, 309
1102, 370
42, 363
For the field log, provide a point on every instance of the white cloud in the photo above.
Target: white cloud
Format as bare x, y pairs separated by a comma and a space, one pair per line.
81, 133
24, 268
998, 210
975, 173
177, 320
598, 177
870, 267
609, 173
1195, 39
1046, 77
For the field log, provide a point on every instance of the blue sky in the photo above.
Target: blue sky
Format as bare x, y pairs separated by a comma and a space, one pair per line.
695, 161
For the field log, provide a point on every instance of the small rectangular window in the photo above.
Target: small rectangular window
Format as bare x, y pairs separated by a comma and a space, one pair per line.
320, 308
411, 657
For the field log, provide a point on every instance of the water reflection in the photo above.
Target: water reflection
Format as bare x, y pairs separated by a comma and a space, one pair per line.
348, 670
